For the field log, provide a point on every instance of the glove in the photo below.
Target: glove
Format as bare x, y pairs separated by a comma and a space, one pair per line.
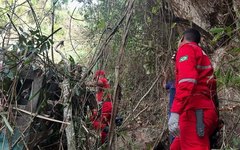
174, 56
173, 124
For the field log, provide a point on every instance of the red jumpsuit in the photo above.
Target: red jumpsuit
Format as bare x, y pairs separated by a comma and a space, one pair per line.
104, 119
101, 121
100, 90
195, 87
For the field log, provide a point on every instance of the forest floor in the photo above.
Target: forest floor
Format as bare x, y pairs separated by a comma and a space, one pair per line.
149, 126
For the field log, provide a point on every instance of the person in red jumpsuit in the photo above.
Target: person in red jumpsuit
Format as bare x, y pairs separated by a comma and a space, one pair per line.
101, 118
193, 115
102, 85
101, 121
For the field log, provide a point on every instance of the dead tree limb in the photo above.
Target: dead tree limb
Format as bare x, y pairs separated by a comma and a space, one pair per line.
140, 101
129, 12
38, 116
67, 112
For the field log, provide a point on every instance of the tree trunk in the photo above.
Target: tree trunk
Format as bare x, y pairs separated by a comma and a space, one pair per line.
67, 112
67, 115
236, 7
195, 11
117, 74
205, 15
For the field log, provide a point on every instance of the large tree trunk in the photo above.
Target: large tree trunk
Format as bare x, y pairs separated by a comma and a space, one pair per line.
195, 11
205, 13
67, 112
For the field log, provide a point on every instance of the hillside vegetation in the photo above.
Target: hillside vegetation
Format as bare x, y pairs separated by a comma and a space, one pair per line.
50, 50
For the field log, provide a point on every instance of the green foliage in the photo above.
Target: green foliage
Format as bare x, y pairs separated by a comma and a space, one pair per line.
71, 60
6, 122
220, 32
228, 76
236, 49
29, 45
148, 48
33, 43
236, 142
101, 24
216, 30
155, 10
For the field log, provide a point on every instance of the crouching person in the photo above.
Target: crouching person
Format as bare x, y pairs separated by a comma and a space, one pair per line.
101, 118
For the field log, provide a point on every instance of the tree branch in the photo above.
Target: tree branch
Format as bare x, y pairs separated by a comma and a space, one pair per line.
128, 13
